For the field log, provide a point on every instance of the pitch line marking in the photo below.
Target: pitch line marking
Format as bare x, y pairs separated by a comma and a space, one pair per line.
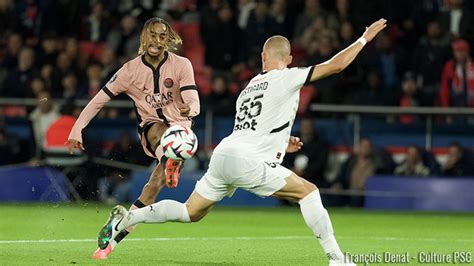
39, 241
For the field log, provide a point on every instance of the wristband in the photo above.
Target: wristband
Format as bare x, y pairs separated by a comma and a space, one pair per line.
362, 40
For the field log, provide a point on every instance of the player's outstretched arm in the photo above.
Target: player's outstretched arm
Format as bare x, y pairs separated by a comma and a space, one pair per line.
89, 112
341, 60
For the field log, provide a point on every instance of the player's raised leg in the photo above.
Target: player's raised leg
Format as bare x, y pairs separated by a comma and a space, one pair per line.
315, 215
195, 208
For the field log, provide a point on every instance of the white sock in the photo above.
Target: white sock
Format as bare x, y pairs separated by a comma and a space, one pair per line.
317, 218
130, 229
160, 212
113, 243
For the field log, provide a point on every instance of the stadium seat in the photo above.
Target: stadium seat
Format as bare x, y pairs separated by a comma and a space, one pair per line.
90, 49
56, 153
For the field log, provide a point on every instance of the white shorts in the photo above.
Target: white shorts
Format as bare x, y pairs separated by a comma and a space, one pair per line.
226, 173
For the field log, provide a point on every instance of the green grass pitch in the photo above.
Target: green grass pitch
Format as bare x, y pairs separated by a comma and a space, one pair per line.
34, 234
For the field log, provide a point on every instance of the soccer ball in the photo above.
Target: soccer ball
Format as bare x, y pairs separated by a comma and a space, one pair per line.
179, 143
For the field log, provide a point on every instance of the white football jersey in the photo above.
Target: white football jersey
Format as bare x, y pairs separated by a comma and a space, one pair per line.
265, 112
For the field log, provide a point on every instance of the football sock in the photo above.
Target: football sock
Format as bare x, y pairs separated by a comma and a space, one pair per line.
317, 219
137, 204
160, 212
119, 238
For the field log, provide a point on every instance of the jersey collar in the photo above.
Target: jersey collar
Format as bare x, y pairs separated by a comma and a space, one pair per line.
165, 57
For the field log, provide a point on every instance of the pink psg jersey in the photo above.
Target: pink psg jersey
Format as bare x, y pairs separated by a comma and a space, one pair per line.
156, 93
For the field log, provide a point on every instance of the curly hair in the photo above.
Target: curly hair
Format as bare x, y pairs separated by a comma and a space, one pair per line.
173, 38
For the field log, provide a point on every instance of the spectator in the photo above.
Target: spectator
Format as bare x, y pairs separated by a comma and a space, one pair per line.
109, 63
310, 162
58, 132
457, 20
171, 9
367, 11
409, 97
45, 113
220, 100
117, 185
409, 34
312, 10
428, 61
16, 83
63, 66
46, 73
371, 92
390, 60
424, 11
351, 78
222, 43
68, 14
313, 35
209, 19
413, 164
28, 19
14, 45
278, 10
49, 50
259, 28
326, 87
92, 84
245, 8
459, 163
72, 50
37, 85
457, 82
70, 89
96, 26
346, 34
355, 171
7, 17
125, 40
9, 148
343, 13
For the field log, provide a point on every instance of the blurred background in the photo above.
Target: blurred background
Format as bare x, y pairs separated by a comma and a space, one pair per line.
395, 130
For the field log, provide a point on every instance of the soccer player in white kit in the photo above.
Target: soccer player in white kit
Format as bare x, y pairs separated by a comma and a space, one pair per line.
250, 157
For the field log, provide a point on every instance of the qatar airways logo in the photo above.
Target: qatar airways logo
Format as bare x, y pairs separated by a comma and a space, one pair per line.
159, 100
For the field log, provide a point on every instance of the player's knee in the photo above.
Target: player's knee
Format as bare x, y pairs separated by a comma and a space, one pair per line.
196, 216
306, 189
310, 187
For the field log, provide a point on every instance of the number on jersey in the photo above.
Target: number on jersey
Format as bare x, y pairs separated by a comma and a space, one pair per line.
248, 111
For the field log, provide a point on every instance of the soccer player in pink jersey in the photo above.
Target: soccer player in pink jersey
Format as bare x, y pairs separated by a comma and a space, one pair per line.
162, 87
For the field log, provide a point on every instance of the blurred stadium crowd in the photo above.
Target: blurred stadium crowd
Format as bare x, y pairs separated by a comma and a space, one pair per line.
67, 49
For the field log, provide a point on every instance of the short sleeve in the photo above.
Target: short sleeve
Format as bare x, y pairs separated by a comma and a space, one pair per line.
119, 82
297, 77
186, 76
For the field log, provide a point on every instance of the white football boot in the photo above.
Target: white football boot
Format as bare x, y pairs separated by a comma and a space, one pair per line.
111, 228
